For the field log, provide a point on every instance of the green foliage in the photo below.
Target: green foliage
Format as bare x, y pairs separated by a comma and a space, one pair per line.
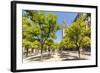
66, 44
85, 42
26, 44
39, 29
77, 35
35, 45
55, 45
48, 43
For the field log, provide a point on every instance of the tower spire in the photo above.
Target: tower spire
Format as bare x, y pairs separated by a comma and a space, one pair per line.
64, 26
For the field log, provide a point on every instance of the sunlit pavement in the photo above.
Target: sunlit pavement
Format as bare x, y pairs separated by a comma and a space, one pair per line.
65, 56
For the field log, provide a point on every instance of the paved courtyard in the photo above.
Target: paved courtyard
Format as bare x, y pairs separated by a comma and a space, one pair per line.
64, 56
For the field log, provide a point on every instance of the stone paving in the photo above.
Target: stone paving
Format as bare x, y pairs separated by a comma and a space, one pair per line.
72, 55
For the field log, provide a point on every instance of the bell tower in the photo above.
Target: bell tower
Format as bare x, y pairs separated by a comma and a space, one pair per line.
64, 26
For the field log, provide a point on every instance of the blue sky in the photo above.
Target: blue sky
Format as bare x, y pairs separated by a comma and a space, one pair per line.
68, 17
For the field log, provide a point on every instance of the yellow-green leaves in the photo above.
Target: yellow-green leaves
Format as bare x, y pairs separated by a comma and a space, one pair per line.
78, 34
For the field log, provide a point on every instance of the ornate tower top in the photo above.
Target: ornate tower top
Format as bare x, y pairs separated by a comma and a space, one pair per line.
64, 26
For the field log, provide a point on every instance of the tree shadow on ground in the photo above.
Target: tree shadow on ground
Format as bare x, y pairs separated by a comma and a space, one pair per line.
38, 58
64, 55
68, 57
74, 59
88, 54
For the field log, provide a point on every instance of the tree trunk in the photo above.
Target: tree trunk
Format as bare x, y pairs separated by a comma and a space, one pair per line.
49, 54
41, 51
79, 52
32, 50
26, 52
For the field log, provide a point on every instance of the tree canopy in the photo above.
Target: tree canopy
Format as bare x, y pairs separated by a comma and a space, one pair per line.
77, 35
39, 27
